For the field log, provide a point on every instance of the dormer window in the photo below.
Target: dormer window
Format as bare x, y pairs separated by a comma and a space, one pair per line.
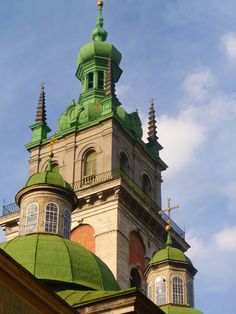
90, 80
100, 80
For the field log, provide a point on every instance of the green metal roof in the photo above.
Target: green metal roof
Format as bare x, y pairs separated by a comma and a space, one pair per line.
50, 176
169, 253
172, 309
54, 259
99, 49
77, 298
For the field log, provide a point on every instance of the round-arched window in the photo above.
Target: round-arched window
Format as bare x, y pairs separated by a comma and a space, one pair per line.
178, 291
89, 167
32, 218
161, 290
51, 218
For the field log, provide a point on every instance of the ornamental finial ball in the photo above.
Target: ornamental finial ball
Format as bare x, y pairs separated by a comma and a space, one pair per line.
168, 228
100, 3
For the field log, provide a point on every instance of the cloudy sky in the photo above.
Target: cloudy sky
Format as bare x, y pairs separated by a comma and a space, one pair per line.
182, 53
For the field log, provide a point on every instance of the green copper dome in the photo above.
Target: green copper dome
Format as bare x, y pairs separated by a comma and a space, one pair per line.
54, 259
99, 49
50, 176
169, 253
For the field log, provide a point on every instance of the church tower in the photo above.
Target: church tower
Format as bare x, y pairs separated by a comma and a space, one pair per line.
98, 149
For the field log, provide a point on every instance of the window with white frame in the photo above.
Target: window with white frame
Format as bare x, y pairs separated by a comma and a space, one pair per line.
32, 218
190, 293
178, 291
51, 218
67, 223
161, 290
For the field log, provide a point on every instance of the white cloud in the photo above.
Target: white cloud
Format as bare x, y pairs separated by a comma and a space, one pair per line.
228, 43
181, 136
197, 84
225, 239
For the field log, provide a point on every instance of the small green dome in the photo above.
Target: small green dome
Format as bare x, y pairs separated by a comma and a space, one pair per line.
50, 176
54, 259
171, 309
170, 253
99, 49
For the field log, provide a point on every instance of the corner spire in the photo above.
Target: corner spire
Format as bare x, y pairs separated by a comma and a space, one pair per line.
41, 109
152, 128
99, 33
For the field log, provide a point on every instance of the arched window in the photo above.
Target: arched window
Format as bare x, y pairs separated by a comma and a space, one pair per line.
32, 218
178, 293
124, 163
90, 80
89, 163
136, 251
67, 223
135, 278
51, 218
161, 290
190, 293
146, 185
100, 80
149, 292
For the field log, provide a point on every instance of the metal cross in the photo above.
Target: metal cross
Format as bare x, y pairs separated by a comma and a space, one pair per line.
50, 145
152, 100
168, 211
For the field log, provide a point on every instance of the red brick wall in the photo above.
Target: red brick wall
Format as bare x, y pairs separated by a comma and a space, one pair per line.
136, 250
84, 235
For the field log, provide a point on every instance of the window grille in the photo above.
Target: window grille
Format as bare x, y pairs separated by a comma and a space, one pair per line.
51, 218
32, 218
178, 293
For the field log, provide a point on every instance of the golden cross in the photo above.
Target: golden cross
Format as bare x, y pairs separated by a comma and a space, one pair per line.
168, 210
50, 145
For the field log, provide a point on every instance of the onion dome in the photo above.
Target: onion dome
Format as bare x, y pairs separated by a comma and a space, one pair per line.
60, 263
99, 47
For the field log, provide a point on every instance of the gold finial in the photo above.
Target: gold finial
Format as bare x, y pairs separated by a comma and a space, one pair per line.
168, 210
50, 145
100, 3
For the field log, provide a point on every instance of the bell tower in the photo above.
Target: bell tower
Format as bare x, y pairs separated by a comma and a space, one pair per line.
116, 175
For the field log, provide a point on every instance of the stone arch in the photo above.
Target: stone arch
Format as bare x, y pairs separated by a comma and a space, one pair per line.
137, 251
87, 147
84, 235
59, 162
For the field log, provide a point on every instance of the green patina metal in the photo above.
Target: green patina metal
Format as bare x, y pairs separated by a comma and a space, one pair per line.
94, 104
175, 309
56, 260
50, 176
80, 298
170, 254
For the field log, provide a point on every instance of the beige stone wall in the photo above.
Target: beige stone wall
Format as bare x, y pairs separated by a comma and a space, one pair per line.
42, 198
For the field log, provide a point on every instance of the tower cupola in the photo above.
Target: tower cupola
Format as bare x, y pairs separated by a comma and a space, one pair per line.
46, 203
170, 275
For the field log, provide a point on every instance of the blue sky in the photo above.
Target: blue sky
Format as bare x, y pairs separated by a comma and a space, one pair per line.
182, 53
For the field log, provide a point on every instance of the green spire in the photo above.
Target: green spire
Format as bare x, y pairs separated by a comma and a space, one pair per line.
169, 242
99, 33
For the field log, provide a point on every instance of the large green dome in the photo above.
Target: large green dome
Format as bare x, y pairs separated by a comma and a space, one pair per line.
56, 260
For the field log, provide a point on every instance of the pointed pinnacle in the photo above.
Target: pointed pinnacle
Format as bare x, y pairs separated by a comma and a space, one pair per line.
41, 109
152, 128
